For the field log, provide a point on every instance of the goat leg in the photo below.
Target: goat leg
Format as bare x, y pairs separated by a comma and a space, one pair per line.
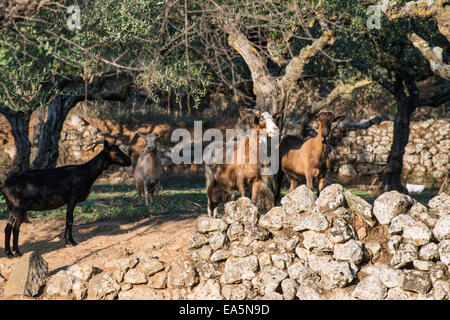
8, 229
69, 222
16, 230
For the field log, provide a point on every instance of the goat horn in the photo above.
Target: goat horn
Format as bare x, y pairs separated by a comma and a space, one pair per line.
94, 144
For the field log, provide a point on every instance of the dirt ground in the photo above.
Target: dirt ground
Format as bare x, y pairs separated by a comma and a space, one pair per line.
101, 242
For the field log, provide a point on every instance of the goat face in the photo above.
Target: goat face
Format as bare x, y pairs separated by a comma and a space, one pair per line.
115, 155
264, 122
326, 120
150, 140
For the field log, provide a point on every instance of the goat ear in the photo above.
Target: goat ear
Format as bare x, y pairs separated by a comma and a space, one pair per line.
256, 120
311, 116
339, 118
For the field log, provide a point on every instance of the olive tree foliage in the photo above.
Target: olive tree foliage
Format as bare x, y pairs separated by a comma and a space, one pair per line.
66, 53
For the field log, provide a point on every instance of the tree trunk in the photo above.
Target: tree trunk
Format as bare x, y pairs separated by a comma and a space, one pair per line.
38, 123
19, 122
48, 149
394, 165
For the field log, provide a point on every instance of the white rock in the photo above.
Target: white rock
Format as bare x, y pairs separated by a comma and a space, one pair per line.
417, 234
81, 271
394, 243
289, 289
422, 265
217, 240
59, 284
317, 241
206, 224
429, 252
370, 288
126, 263
307, 292
210, 290
330, 198
134, 276
444, 251
390, 277
351, 250
398, 294
273, 219
440, 203
400, 223
238, 269
313, 221
341, 232
442, 228
272, 277
336, 275
405, 254
299, 200
389, 205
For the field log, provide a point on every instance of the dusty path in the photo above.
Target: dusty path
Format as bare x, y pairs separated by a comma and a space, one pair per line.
99, 243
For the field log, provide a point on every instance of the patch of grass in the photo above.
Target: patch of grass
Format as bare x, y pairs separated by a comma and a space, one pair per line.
110, 201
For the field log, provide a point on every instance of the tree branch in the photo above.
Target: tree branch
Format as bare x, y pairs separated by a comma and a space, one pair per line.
433, 56
338, 91
295, 68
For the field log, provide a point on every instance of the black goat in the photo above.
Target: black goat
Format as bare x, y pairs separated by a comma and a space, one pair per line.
47, 189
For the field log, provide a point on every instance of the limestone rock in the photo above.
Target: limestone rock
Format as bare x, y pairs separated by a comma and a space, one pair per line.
317, 241
103, 286
405, 255
59, 284
135, 276
210, 290
126, 263
417, 234
182, 273
273, 219
299, 200
440, 203
235, 231
206, 224
28, 276
81, 271
238, 269
389, 205
313, 221
242, 210
150, 266
330, 198
289, 289
141, 293
220, 255
197, 240
342, 231
207, 270
442, 228
351, 251
370, 288
416, 281
400, 223
444, 251
360, 207
158, 280
429, 252
217, 240
272, 277
307, 292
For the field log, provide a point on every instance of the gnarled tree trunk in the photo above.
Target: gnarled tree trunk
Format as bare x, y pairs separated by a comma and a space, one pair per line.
48, 149
19, 122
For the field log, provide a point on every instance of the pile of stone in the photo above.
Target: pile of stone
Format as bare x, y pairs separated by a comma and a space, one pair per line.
364, 152
307, 248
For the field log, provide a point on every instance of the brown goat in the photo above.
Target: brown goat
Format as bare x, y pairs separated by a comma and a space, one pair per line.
149, 170
224, 178
307, 160
47, 189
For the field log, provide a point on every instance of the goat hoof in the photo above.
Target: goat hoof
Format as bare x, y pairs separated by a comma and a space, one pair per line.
71, 244
9, 255
17, 253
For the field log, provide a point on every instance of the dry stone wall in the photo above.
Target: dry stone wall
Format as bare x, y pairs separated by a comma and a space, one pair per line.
336, 246
364, 152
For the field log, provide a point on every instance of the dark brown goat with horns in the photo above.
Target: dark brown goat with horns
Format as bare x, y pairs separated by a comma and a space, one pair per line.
47, 189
